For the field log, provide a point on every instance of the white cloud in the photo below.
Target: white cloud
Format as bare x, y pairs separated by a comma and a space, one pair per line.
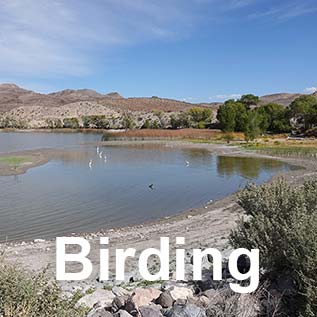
44, 39
286, 11
310, 90
225, 97
59, 37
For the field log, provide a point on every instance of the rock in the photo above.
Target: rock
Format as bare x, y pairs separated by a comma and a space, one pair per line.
99, 312
181, 293
188, 310
165, 299
119, 302
144, 296
131, 307
150, 311
119, 291
101, 296
122, 313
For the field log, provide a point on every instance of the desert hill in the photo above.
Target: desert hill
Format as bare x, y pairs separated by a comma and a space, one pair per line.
284, 99
12, 96
25, 108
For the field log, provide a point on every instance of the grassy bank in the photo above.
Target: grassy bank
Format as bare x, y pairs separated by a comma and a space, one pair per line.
285, 148
14, 160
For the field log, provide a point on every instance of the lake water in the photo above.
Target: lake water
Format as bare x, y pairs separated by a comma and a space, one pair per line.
66, 196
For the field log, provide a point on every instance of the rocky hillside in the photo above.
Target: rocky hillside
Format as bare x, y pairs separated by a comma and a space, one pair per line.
282, 99
27, 109
12, 96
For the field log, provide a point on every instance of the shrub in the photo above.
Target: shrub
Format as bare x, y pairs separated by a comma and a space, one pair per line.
95, 121
127, 121
282, 224
71, 123
146, 124
181, 121
198, 115
54, 123
9, 122
23, 295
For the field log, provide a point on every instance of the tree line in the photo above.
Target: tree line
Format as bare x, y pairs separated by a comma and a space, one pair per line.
244, 115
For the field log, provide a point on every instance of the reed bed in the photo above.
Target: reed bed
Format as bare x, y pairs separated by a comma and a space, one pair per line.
181, 134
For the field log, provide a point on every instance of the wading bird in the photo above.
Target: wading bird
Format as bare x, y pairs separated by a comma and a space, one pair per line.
90, 164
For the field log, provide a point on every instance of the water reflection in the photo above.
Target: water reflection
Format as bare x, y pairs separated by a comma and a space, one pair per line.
245, 166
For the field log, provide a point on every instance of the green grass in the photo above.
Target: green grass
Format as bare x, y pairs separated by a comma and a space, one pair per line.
283, 150
13, 160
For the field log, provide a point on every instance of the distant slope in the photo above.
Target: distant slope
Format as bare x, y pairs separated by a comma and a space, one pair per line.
284, 99
12, 96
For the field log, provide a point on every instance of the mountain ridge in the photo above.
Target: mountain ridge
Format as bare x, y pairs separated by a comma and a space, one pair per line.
13, 96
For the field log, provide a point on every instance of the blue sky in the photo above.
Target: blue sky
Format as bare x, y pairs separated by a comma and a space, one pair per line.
196, 50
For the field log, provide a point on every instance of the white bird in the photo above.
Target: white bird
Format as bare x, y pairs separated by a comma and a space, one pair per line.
90, 164
100, 154
187, 163
105, 158
97, 150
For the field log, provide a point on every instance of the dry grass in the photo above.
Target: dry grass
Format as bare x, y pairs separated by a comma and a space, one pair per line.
182, 134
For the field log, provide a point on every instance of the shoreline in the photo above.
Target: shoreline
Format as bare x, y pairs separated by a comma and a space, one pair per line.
217, 219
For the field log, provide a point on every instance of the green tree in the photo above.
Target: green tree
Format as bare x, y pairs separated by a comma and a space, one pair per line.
231, 116
175, 122
252, 125
200, 116
249, 100
276, 118
127, 121
305, 104
226, 116
71, 123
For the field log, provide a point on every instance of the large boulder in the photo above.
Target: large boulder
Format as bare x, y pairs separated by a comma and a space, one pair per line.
100, 297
